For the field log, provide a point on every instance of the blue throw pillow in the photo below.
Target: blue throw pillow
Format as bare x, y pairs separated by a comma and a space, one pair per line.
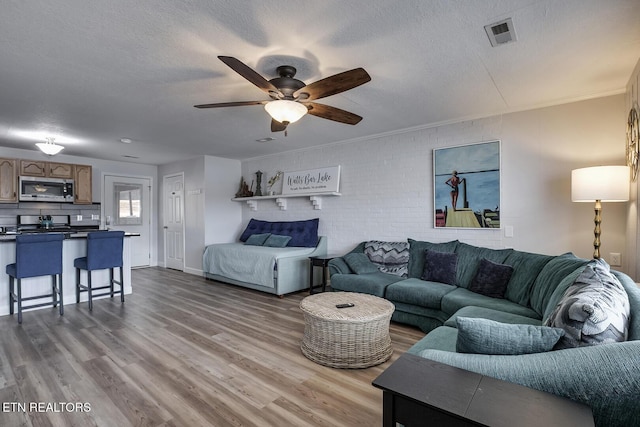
277, 241
257, 239
440, 267
360, 263
491, 279
483, 336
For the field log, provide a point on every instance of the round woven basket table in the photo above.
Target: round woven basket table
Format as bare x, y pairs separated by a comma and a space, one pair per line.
353, 337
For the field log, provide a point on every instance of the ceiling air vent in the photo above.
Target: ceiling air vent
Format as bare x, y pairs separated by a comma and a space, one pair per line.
501, 32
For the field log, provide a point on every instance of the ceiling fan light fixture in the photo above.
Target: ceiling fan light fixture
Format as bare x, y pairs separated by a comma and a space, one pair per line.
283, 110
49, 148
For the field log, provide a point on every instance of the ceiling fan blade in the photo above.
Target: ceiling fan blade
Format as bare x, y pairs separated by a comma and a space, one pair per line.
249, 74
276, 126
231, 104
332, 113
333, 84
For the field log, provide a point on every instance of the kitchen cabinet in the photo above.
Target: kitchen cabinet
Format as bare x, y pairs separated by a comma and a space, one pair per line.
46, 169
33, 168
59, 170
82, 177
8, 181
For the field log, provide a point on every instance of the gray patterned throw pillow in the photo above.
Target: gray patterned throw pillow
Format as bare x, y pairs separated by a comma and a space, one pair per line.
390, 257
593, 310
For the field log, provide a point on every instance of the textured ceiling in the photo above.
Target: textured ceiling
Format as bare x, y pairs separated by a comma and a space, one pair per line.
91, 72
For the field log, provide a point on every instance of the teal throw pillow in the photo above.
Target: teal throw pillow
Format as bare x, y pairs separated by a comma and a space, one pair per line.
440, 267
277, 241
483, 336
257, 239
491, 279
360, 263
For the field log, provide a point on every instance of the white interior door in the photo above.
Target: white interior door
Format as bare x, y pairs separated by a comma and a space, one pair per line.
174, 221
127, 207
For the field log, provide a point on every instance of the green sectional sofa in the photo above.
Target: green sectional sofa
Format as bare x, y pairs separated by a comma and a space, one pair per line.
542, 291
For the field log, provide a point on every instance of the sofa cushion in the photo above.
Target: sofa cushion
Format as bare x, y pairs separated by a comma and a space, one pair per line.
257, 239
371, 283
491, 314
418, 292
440, 267
491, 279
483, 336
461, 297
416, 254
390, 257
303, 233
526, 267
594, 309
277, 241
441, 338
469, 258
360, 263
550, 277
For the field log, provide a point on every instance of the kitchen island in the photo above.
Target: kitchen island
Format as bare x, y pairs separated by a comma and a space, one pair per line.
74, 246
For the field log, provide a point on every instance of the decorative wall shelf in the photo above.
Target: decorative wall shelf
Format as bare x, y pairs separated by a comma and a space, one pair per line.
281, 199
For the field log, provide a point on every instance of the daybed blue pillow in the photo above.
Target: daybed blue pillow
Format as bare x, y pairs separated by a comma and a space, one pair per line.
360, 263
484, 336
303, 233
440, 267
277, 241
257, 239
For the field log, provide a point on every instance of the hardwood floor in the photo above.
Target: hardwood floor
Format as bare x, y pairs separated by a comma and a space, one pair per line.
181, 351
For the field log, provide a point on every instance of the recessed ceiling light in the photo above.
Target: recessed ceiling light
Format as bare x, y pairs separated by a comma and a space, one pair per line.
126, 140
267, 139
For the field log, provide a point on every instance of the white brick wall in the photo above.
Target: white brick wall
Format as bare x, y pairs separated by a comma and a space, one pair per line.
387, 189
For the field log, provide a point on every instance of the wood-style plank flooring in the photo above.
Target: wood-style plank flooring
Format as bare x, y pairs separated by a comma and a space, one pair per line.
181, 351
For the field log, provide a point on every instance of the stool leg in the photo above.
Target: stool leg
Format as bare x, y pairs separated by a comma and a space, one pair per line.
311, 278
11, 298
121, 286
19, 300
54, 290
77, 285
89, 290
111, 281
61, 296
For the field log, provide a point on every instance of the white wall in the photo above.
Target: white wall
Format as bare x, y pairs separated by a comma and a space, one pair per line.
209, 214
387, 188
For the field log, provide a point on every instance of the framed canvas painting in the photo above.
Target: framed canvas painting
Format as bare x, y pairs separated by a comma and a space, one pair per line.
466, 186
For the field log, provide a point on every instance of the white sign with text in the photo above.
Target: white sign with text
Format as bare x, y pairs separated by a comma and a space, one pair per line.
322, 180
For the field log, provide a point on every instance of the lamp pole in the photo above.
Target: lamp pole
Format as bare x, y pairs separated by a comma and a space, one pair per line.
596, 231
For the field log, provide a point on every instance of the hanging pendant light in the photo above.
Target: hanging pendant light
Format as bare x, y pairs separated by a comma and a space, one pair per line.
50, 148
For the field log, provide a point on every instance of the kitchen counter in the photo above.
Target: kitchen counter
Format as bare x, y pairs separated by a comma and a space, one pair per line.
11, 237
74, 246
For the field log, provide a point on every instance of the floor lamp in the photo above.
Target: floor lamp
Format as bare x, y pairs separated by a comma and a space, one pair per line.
600, 184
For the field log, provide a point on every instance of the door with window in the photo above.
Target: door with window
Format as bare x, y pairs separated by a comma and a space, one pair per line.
127, 207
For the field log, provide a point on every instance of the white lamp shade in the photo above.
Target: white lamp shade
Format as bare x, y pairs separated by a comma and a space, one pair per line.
285, 111
604, 183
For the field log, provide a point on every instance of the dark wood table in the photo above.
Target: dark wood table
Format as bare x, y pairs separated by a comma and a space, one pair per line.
319, 261
419, 391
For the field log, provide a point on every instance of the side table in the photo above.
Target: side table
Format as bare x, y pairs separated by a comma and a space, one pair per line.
319, 261
416, 389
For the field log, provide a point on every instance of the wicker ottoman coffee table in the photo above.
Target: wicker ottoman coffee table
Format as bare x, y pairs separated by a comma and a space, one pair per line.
354, 337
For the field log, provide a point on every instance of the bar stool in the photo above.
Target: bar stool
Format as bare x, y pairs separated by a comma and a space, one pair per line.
104, 251
36, 255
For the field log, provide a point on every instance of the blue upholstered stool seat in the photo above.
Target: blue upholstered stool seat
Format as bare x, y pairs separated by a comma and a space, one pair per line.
36, 255
104, 251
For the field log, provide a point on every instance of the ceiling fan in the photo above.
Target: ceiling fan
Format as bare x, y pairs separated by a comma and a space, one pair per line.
291, 98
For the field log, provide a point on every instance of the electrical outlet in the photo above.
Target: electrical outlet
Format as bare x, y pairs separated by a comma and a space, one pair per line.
615, 259
78, 217
95, 217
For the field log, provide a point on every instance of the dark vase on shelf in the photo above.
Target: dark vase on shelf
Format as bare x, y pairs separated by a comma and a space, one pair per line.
258, 183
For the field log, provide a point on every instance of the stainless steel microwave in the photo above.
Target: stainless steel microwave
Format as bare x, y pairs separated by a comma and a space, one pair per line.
34, 189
